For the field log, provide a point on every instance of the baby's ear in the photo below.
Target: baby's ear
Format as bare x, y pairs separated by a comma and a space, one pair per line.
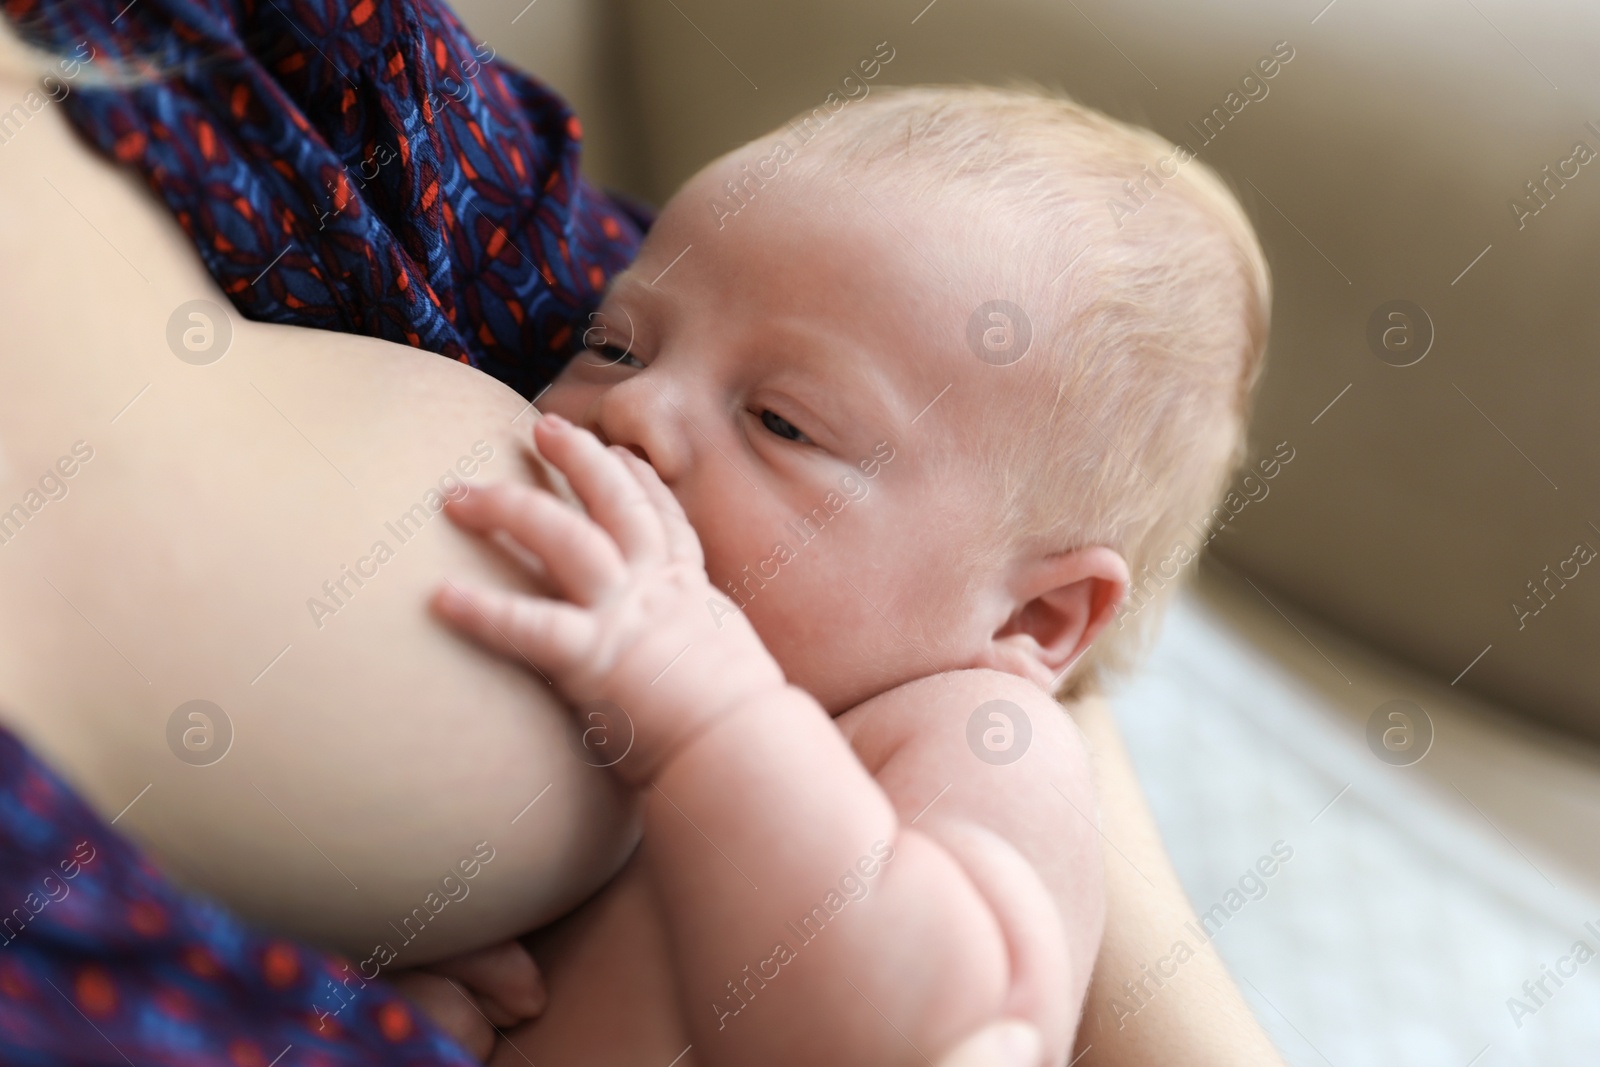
1064, 601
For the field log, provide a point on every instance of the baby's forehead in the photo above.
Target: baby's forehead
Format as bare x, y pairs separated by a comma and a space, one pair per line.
978, 292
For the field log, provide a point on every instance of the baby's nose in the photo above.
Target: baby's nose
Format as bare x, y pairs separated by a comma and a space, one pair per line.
600, 432
638, 416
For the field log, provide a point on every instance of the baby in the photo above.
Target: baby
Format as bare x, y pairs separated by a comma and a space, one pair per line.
870, 439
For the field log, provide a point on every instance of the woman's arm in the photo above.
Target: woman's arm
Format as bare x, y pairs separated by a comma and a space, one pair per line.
1196, 1018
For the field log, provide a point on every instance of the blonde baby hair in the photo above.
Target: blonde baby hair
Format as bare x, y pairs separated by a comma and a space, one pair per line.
1148, 298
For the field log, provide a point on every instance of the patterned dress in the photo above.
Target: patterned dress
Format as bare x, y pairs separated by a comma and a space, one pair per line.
360, 166
353, 165
105, 962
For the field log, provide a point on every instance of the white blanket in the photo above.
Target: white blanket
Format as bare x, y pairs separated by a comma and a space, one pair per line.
1416, 903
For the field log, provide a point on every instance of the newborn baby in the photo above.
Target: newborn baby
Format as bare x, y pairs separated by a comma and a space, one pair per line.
870, 439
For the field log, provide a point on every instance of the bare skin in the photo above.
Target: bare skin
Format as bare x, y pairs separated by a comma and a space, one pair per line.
739, 391
781, 368
972, 891
62, 368
378, 751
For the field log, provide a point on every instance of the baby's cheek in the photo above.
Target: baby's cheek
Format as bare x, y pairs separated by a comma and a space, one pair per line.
736, 549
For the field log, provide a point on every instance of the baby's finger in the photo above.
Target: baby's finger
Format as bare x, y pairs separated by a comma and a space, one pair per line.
579, 557
610, 493
682, 542
505, 979
544, 633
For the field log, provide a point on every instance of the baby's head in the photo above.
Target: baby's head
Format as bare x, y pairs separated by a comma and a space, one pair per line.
932, 373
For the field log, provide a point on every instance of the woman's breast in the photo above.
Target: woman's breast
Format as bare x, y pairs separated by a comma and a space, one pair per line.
214, 625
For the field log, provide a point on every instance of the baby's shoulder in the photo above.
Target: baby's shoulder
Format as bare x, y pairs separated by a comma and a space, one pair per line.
997, 769
974, 724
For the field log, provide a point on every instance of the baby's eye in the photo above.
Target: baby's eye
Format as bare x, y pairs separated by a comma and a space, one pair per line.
783, 427
608, 355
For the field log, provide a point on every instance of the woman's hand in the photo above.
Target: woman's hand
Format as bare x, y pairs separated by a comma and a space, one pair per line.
470, 997
632, 622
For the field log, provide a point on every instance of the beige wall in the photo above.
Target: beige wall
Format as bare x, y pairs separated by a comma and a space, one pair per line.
1379, 165
579, 48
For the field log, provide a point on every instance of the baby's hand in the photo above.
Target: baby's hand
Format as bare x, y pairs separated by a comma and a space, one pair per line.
471, 997
633, 625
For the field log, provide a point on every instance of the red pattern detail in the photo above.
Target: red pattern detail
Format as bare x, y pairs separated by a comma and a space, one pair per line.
130, 147
200, 962
176, 1003
14, 982
280, 964
97, 994
246, 1054
394, 1021
147, 919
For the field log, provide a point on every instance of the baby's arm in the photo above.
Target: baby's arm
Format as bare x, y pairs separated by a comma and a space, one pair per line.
814, 918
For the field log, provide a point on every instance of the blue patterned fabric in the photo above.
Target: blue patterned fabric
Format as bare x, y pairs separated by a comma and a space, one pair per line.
362, 167
104, 962
354, 165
